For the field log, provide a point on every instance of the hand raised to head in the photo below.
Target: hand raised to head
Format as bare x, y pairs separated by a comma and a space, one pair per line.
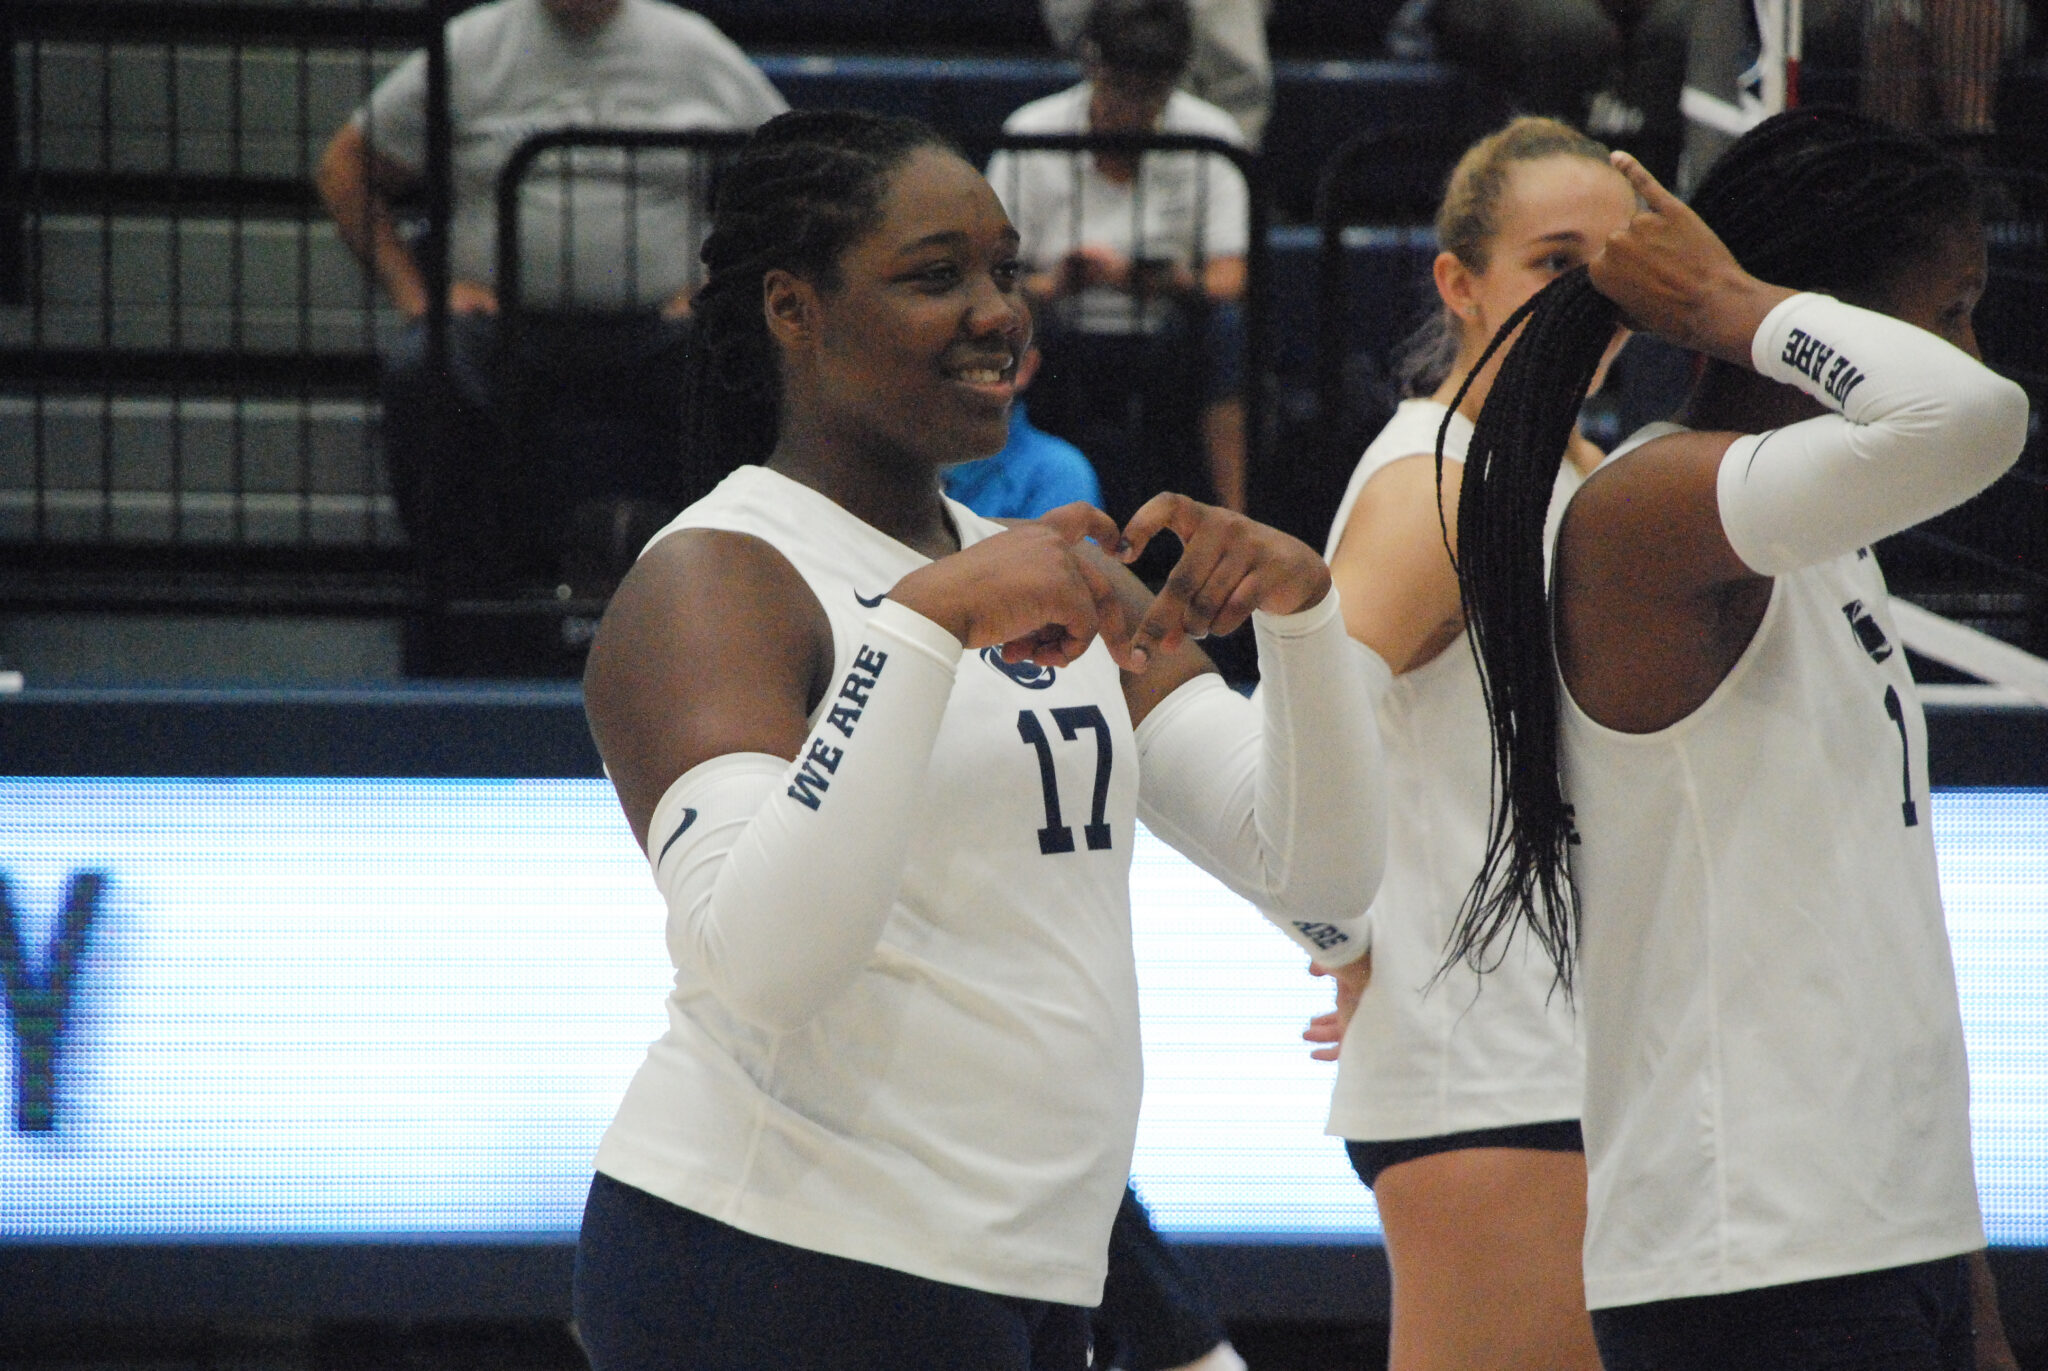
1229, 566
1670, 275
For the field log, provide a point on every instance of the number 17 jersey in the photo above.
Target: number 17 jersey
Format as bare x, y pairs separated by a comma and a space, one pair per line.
965, 1110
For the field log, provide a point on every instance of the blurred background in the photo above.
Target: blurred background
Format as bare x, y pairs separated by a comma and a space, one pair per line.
232, 556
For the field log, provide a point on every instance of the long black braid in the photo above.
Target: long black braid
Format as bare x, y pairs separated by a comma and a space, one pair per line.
1813, 199
803, 189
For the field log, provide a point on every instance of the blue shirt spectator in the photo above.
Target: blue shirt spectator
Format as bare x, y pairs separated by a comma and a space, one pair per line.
1033, 473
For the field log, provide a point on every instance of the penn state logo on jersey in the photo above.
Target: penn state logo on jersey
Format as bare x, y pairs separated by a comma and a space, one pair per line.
1867, 630
1030, 675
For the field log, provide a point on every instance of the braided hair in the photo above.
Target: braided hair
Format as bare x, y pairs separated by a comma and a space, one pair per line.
806, 186
1813, 199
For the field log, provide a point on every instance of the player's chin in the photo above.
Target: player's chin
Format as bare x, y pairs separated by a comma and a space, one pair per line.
976, 419
981, 435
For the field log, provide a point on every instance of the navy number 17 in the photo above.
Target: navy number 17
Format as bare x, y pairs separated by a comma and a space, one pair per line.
1071, 719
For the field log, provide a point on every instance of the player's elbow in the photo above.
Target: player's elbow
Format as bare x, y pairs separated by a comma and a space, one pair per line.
774, 995
1331, 881
1996, 415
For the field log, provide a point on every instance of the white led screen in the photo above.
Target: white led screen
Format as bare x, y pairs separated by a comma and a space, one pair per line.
342, 1009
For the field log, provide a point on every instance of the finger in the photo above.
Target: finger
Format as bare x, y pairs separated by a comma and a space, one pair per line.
1204, 533
1227, 580
1082, 520
1327, 1054
1112, 624
1089, 598
1164, 510
1050, 646
1249, 591
1165, 625
1647, 186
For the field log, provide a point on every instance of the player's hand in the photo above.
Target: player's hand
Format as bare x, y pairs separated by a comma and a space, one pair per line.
1229, 566
1032, 590
1329, 1028
1672, 276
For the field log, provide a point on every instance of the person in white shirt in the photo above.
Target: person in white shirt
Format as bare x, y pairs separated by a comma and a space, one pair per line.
887, 759
1711, 762
1137, 247
483, 479
1460, 1095
1230, 66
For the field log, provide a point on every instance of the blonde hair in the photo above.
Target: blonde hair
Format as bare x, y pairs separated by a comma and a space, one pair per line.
1468, 220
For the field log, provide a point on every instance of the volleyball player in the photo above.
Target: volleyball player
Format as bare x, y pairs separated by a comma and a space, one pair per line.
1462, 1107
888, 780
1720, 824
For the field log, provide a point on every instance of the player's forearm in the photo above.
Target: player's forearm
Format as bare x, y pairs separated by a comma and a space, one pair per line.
1282, 798
1919, 426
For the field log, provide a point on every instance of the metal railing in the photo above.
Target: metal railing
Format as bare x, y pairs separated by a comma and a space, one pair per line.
188, 355
554, 153
186, 350
1265, 476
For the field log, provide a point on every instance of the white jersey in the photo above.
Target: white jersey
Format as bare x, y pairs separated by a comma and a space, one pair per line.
1775, 1088
1466, 1053
965, 1110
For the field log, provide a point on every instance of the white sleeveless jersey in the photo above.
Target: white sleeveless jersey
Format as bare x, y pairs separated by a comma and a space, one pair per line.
1775, 1084
965, 1110
1464, 1053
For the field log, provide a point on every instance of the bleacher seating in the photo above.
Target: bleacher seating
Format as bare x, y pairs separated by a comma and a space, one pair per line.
193, 369
196, 370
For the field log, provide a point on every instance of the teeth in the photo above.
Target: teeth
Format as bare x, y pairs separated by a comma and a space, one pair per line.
981, 376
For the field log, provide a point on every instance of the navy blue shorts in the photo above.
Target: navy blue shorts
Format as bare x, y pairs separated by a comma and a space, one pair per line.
663, 1288
1908, 1318
1156, 1311
1368, 1159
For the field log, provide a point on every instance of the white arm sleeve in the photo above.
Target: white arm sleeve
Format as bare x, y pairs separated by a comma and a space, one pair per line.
1281, 797
1921, 427
780, 875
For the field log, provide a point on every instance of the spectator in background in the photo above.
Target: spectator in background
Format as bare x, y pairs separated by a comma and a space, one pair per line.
1229, 67
1933, 64
1137, 263
486, 477
1610, 67
1034, 472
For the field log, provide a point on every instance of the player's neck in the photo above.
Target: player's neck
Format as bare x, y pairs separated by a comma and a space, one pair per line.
898, 497
1733, 399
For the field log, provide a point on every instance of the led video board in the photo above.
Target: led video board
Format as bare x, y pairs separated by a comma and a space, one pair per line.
319, 1010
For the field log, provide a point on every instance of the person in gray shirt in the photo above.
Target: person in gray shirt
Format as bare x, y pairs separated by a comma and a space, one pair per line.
489, 461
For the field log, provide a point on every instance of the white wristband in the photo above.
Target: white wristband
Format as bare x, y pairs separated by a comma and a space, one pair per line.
1922, 427
1283, 797
779, 876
